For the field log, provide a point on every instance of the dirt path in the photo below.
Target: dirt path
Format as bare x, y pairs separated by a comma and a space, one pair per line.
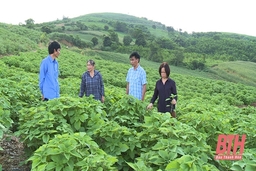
12, 156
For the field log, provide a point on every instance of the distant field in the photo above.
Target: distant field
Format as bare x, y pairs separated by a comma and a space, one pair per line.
124, 58
237, 71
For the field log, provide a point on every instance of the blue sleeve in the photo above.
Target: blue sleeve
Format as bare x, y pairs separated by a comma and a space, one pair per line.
42, 74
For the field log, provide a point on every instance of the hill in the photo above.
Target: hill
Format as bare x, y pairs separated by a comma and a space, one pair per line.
15, 39
214, 45
236, 71
191, 54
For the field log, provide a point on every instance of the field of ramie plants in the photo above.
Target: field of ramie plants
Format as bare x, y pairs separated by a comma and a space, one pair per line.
72, 133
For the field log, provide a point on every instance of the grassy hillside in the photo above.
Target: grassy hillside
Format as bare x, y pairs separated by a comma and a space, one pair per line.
17, 39
237, 71
124, 59
243, 71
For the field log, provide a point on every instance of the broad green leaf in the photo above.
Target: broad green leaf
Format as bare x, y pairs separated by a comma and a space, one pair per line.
123, 147
237, 168
46, 138
52, 151
77, 125
164, 154
68, 168
57, 159
99, 169
35, 161
172, 166
250, 167
42, 166
50, 166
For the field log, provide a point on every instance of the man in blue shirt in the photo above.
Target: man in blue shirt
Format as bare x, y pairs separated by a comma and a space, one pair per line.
49, 72
136, 78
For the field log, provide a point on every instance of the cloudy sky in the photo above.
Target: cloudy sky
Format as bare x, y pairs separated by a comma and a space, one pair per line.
236, 16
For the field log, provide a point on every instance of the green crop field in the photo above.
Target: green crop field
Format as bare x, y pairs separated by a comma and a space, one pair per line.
72, 133
215, 77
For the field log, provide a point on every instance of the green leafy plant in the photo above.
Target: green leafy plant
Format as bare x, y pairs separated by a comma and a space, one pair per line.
37, 126
71, 152
247, 163
164, 139
189, 163
129, 112
118, 141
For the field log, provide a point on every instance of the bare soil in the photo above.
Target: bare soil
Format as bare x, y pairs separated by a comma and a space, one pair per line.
12, 157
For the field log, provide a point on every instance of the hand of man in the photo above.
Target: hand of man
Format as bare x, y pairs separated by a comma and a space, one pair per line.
102, 99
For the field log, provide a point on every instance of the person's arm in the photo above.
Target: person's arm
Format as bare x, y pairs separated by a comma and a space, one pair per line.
144, 89
127, 88
174, 92
144, 84
42, 75
82, 86
102, 89
154, 97
127, 85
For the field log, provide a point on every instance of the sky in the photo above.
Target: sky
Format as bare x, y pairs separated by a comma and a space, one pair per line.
235, 16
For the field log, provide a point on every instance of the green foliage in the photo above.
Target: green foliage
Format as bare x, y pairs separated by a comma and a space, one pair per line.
83, 114
63, 115
94, 41
38, 126
30, 23
13, 43
189, 163
211, 122
71, 152
137, 139
140, 40
195, 64
128, 111
113, 36
164, 139
27, 35
107, 41
117, 141
127, 40
155, 53
248, 161
2, 131
73, 40
237, 71
244, 118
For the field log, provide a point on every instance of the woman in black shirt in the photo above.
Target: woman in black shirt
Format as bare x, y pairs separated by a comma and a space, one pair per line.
165, 89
